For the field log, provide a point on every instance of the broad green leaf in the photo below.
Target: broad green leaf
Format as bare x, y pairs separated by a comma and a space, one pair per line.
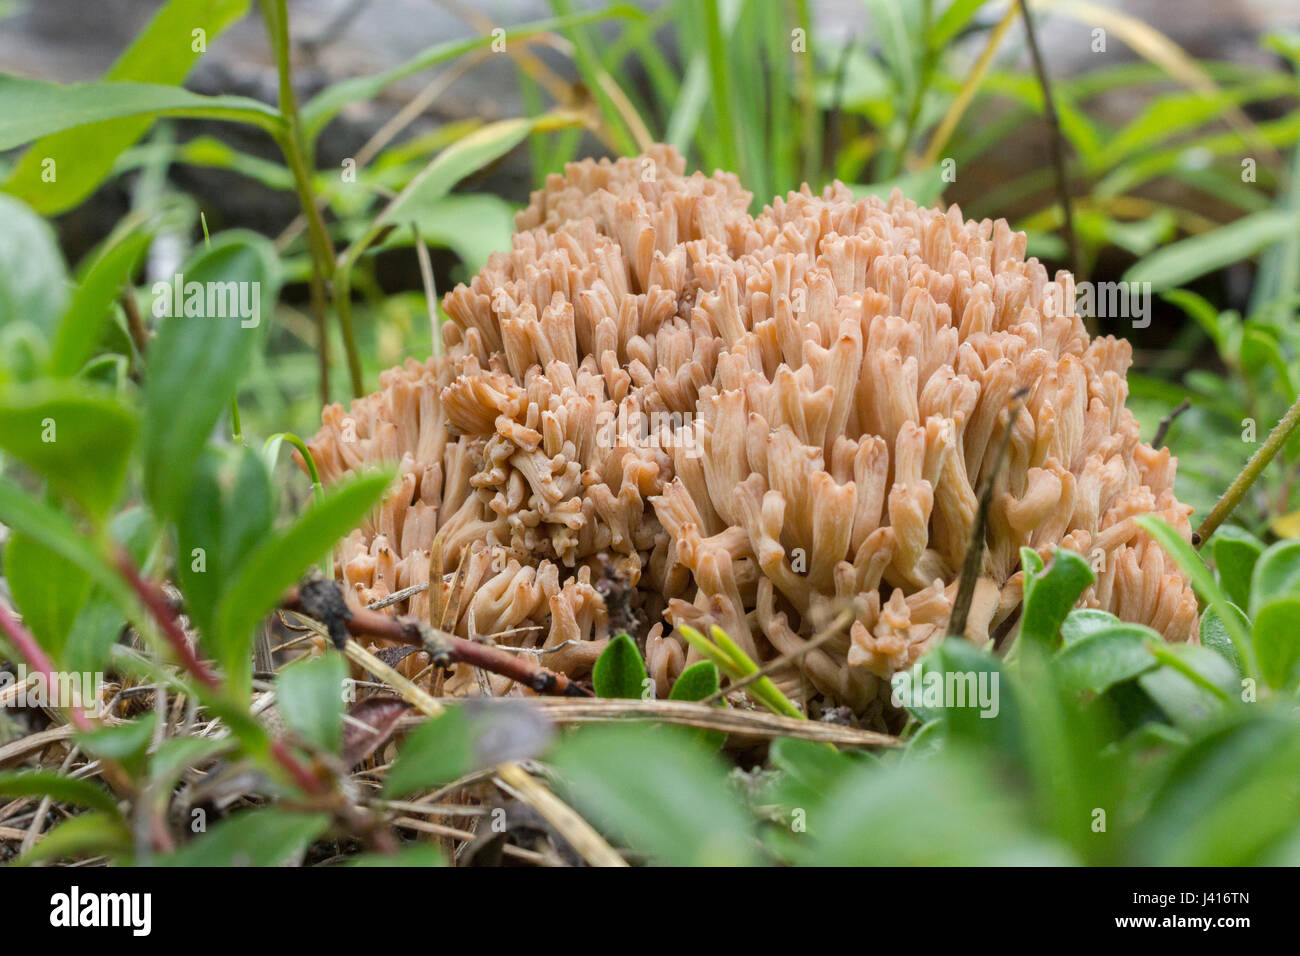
264, 837
81, 837
697, 682
37, 108
941, 811
417, 855
96, 629
257, 585
1106, 657
1181, 262
93, 301
125, 742
48, 589
966, 690
1084, 621
659, 791
78, 439
198, 357
1214, 635
1235, 553
436, 753
163, 52
310, 697
923, 186
1050, 594
54, 529
468, 154
33, 276
1193, 685
808, 773
952, 21
1276, 574
474, 736
1227, 799
1277, 641
250, 510
473, 226
200, 556
1203, 581
58, 787
619, 671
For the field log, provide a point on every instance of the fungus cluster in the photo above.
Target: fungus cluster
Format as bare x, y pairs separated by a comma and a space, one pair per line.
657, 410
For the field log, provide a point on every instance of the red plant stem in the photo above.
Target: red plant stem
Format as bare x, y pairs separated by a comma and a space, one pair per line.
540, 679
301, 775
169, 624
168, 620
26, 644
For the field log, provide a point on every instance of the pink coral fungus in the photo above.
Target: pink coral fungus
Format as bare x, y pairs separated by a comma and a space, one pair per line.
659, 410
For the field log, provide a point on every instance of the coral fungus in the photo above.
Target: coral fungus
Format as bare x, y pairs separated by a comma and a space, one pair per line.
755, 422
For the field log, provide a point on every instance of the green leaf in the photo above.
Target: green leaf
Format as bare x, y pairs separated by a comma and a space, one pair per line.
1181, 262
468, 154
1225, 800
966, 690
54, 529
1203, 581
1050, 594
473, 736
33, 276
1106, 657
436, 753
197, 360
125, 742
92, 303
81, 837
697, 682
36, 108
47, 588
310, 696
941, 811
809, 771
58, 787
472, 225
1235, 553
1277, 641
265, 837
76, 437
619, 671
96, 629
1193, 685
1276, 575
1083, 621
200, 558
659, 791
417, 855
258, 584
1214, 635
163, 52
